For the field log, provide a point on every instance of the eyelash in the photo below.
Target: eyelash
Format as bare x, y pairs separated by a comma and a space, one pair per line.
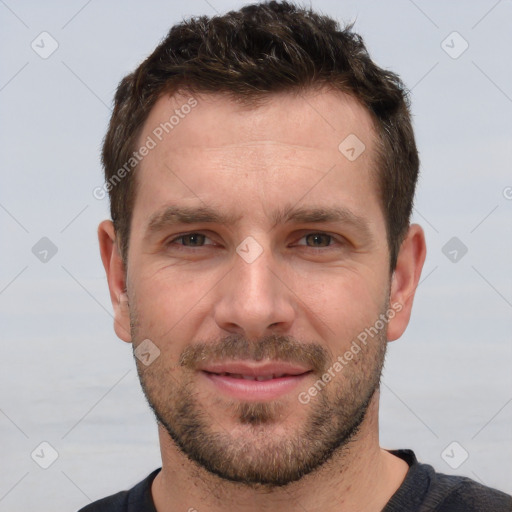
332, 240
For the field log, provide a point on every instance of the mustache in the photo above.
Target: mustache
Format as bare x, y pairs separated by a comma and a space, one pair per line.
273, 347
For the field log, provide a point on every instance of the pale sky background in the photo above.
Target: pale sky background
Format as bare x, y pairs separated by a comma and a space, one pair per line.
65, 378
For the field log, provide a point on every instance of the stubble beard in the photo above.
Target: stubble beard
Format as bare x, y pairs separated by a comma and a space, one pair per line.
256, 452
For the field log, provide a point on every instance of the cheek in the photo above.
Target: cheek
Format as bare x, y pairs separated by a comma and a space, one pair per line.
166, 301
342, 305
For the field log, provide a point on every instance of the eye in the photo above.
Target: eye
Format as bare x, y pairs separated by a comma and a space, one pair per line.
190, 240
317, 240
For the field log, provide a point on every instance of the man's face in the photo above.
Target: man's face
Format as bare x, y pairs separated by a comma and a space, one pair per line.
253, 274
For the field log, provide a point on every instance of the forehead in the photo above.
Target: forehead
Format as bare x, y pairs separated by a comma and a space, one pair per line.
319, 118
211, 149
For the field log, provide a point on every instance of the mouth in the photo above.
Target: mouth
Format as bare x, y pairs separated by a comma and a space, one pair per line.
252, 381
259, 378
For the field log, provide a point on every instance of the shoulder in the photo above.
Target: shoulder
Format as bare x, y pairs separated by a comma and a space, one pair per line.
136, 499
466, 495
424, 489
114, 503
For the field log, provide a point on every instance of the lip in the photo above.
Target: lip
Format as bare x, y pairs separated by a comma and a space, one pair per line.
227, 377
255, 369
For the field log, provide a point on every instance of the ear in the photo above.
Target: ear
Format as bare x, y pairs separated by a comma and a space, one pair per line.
116, 277
405, 280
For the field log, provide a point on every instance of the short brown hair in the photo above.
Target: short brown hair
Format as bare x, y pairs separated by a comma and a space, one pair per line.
248, 54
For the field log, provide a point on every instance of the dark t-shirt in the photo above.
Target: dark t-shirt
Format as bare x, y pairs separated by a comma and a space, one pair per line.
423, 490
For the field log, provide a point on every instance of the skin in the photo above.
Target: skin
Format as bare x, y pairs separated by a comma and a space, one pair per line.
251, 163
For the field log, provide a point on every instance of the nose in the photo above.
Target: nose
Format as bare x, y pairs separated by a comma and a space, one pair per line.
254, 299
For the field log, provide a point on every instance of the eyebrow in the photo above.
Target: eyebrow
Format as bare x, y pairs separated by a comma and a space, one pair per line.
173, 215
325, 214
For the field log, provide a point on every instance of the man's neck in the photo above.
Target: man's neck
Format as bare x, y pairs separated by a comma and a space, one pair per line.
361, 477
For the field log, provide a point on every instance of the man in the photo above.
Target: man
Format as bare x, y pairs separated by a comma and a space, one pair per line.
261, 171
